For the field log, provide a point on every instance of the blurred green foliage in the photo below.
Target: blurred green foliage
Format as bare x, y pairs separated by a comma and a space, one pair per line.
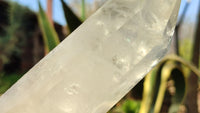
186, 48
4, 17
6, 81
18, 31
131, 106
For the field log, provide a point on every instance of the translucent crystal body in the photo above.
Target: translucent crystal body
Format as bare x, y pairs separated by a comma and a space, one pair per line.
99, 62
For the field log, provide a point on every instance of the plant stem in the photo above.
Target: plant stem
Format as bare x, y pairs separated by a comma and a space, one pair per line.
189, 65
83, 10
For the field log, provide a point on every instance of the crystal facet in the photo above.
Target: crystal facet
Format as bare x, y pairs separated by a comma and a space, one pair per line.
99, 62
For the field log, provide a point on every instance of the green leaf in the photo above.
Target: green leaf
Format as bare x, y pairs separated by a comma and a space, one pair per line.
6, 81
131, 106
72, 20
50, 36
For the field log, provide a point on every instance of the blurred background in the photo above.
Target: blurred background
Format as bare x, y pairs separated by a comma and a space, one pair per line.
172, 86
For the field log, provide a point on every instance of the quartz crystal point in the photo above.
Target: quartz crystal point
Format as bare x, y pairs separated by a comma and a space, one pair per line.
98, 63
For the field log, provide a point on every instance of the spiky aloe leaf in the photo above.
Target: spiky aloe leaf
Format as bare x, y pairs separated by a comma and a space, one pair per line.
50, 36
72, 20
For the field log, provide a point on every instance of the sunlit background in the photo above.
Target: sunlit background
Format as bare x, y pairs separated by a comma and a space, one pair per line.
22, 46
58, 14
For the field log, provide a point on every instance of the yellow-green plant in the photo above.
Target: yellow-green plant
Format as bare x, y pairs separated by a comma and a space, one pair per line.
155, 84
50, 36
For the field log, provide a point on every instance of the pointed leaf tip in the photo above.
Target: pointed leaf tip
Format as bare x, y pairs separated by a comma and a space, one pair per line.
72, 20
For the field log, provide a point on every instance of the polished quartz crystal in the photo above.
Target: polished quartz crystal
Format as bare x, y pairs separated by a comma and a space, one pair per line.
95, 66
